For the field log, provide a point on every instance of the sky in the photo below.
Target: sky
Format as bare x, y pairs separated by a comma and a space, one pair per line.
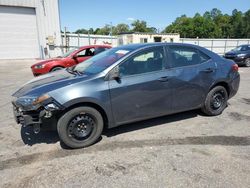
76, 14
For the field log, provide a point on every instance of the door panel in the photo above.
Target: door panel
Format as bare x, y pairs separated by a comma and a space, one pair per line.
207, 75
140, 97
188, 93
82, 59
143, 90
192, 71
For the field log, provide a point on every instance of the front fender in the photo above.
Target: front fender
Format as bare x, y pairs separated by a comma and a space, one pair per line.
95, 91
106, 108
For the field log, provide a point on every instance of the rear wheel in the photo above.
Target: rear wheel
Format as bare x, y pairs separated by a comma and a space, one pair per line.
247, 62
56, 69
216, 101
80, 127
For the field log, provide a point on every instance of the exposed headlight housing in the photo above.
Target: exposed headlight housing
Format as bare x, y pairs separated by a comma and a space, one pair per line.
31, 102
39, 66
25, 101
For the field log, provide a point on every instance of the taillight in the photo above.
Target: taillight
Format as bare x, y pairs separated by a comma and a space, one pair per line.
235, 67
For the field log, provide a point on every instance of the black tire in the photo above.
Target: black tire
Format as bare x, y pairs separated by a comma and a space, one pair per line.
56, 69
216, 101
247, 62
74, 125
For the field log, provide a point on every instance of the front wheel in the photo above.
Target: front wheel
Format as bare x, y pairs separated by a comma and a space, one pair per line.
56, 69
80, 127
247, 62
216, 101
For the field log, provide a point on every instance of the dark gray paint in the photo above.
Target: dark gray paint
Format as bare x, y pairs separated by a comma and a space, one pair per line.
141, 96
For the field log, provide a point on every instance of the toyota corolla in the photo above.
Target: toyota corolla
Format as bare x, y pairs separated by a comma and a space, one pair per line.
123, 85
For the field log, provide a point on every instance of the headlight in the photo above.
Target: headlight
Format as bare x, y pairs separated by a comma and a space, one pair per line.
241, 55
29, 102
40, 99
26, 101
40, 66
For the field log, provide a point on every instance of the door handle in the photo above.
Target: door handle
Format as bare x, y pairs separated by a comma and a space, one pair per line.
208, 70
163, 79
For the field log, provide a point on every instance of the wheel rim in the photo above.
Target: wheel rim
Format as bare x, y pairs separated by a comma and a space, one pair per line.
81, 127
218, 100
56, 69
248, 62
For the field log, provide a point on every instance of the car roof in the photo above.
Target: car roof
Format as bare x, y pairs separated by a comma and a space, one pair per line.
141, 45
244, 45
93, 46
138, 46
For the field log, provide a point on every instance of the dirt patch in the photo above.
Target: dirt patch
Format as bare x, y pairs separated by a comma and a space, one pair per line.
203, 140
246, 100
239, 117
110, 169
194, 150
217, 171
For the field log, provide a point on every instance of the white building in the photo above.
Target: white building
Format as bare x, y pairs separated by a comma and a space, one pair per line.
136, 37
29, 29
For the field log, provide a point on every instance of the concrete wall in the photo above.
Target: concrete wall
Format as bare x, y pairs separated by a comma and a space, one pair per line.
219, 46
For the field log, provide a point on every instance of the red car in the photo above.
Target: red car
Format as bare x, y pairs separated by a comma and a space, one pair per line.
68, 59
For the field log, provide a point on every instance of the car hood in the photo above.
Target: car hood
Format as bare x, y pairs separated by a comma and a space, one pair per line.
48, 82
235, 52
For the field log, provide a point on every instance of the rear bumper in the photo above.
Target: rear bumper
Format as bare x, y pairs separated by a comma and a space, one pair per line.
234, 85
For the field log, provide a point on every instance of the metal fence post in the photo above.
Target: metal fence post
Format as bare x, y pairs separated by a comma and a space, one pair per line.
78, 39
65, 40
89, 37
225, 46
212, 45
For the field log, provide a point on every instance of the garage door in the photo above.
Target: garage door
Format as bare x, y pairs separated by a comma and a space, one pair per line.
18, 33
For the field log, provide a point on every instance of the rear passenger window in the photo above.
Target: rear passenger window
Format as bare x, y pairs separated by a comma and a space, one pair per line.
185, 56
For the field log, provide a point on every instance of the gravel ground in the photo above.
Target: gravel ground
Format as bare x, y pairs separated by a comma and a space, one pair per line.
182, 150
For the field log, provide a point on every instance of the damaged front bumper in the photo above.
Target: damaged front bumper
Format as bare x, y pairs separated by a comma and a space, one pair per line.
44, 117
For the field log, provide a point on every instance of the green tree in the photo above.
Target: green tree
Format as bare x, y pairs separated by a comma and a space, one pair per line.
151, 30
81, 31
237, 30
139, 26
104, 30
120, 28
212, 24
246, 25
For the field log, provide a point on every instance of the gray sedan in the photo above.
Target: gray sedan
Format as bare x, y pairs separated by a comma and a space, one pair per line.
123, 85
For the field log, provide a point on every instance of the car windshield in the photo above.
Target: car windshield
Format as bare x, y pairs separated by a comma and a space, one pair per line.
242, 48
101, 61
69, 52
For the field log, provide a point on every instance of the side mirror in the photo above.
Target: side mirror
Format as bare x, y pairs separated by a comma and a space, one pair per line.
74, 56
115, 74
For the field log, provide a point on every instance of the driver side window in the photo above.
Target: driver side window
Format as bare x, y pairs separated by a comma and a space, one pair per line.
86, 52
147, 61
